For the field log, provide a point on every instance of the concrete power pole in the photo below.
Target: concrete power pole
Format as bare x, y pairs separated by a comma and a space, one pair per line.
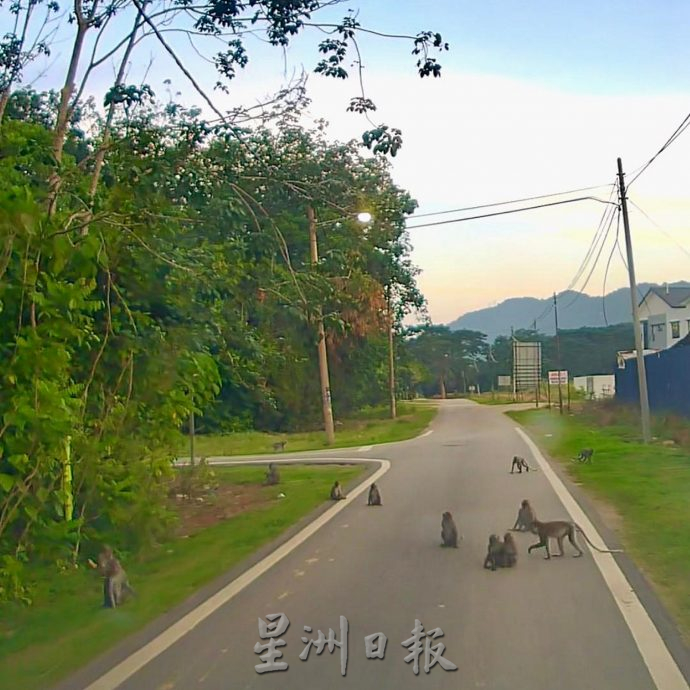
639, 347
558, 354
323, 355
391, 362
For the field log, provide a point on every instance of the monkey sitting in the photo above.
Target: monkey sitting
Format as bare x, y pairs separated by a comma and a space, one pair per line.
272, 475
495, 556
449, 532
115, 581
337, 492
374, 496
509, 550
525, 518
520, 463
585, 455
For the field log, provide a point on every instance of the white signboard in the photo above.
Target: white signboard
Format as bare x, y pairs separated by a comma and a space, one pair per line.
505, 381
526, 365
555, 379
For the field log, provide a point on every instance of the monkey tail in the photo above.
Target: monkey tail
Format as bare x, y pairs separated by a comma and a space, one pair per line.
594, 546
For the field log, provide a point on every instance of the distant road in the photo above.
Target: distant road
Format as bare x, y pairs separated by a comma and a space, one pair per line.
542, 626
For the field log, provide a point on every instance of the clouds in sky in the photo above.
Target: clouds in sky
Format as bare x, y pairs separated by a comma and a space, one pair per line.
491, 130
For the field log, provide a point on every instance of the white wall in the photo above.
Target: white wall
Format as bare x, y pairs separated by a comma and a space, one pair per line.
598, 385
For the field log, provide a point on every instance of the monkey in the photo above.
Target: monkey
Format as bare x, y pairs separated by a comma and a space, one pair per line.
495, 555
115, 581
585, 455
449, 532
272, 475
337, 492
558, 530
374, 496
525, 518
520, 463
509, 550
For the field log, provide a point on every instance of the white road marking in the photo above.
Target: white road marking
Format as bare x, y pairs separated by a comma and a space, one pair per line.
662, 667
364, 449
117, 675
426, 433
298, 573
283, 595
311, 561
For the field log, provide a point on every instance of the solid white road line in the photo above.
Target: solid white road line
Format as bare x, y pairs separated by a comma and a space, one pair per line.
364, 449
426, 433
127, 668
662, 667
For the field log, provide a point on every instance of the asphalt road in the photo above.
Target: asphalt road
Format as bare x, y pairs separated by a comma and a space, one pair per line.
543, 625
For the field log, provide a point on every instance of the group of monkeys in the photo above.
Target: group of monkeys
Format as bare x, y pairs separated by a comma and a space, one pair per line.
500, 554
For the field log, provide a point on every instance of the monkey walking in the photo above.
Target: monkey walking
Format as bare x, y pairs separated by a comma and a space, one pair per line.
521, 464
337, 492
525, 519
449, 532
585, 455
272, 475
374, 496
115, 582
495, 555
559, 530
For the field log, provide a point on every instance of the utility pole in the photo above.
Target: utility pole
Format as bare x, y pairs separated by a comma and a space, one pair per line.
191, 438
558, 353
391, 362
514, 372
639, 347
323, 355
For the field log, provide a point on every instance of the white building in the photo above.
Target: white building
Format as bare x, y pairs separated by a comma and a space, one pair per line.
596, 386
665, 316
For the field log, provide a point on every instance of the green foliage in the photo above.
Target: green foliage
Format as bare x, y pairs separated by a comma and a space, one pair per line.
186, 286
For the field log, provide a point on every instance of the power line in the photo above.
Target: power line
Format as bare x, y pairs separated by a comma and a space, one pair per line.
679, 130
594, 265
505, 203
592, 245
653, 222
549, 307
608, 264
502, 213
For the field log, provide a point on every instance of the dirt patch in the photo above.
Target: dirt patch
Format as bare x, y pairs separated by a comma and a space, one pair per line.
227, 500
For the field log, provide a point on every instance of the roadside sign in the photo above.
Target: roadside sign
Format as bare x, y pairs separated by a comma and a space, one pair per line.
555, 379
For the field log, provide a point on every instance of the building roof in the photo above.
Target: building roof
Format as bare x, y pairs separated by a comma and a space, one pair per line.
673, 296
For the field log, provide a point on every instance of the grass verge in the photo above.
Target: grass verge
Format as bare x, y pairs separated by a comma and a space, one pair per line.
371, 426
65, 627
647, 485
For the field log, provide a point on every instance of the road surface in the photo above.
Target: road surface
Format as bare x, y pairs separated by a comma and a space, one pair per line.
543, 625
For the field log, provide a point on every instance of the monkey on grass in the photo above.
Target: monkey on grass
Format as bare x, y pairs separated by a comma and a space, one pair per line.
115, 582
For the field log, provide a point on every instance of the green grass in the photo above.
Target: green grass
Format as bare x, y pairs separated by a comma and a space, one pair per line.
371, 426
648, 485
65, 627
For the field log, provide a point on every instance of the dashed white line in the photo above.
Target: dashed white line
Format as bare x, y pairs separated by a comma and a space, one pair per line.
658, 659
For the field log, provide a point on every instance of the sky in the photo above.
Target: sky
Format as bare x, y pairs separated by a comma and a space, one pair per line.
535, 98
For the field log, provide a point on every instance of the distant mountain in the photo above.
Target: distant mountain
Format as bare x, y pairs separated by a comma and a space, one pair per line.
575, 310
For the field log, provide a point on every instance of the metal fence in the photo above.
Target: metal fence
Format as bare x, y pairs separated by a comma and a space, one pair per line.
668, 379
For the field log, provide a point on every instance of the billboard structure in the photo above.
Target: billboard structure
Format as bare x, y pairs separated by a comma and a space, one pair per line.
526, 366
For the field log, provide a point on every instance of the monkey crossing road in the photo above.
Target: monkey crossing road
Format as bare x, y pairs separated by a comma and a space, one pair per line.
537, 626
